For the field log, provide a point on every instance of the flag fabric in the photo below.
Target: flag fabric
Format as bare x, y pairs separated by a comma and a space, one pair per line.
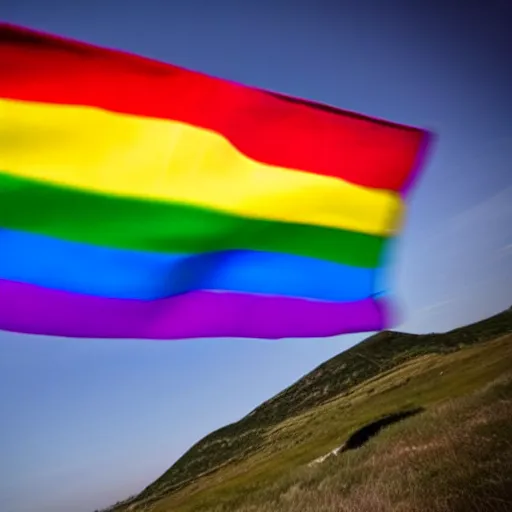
143, 200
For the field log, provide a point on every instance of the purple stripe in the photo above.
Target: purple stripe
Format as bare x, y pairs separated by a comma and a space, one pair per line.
32, 309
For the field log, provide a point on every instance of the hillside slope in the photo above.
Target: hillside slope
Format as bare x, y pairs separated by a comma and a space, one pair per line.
254, 436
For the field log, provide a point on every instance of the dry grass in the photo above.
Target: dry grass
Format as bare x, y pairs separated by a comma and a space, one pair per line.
457, 457
453, 457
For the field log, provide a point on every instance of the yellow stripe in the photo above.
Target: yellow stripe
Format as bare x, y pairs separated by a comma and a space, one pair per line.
121, 154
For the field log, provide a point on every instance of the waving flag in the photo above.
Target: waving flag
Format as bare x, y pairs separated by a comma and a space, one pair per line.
142, 200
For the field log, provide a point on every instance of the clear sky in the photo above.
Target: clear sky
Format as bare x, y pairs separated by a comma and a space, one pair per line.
85, 423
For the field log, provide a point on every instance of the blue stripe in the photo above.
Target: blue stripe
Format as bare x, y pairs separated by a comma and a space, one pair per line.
126, 274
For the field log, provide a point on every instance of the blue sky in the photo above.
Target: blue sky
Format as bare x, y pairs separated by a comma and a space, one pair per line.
85, 423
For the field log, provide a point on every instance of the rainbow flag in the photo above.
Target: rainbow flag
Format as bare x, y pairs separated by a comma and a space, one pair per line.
143, 200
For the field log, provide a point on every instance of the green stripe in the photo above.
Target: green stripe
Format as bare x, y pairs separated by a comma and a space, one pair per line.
148, 225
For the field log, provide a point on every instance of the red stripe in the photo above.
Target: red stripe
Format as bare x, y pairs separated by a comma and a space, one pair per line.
267, 127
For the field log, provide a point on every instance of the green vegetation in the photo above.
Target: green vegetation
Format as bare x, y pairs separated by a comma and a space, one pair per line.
453, 456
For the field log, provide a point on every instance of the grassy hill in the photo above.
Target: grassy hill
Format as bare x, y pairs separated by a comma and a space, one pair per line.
260, 463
